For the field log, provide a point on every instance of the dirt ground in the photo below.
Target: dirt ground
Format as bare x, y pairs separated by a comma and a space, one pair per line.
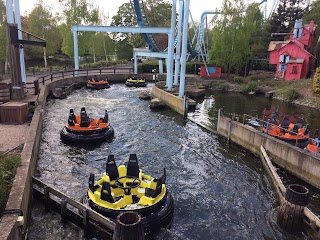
12, 136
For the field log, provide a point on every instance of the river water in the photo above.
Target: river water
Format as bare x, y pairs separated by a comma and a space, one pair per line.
221, 191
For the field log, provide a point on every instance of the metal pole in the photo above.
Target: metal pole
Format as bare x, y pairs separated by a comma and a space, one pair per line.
178, 47
9, 11
184, 48
135, 62
76, 54
18, 22
161, 66
171, 44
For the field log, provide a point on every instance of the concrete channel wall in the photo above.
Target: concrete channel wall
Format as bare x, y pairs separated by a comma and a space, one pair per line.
12, 227
174, 102
299, 162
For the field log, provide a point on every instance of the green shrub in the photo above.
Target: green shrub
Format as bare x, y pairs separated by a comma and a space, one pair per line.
316, 81
290, 94
225, 87
249, 87
8, 166
237, 80
253, 78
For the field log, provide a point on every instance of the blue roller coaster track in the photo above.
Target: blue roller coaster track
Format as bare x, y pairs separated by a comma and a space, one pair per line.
142, 21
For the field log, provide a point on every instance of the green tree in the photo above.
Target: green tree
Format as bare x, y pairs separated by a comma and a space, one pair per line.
283, 20
103, 45
155, 10
3, 36
230, 47
77, 12
41, 23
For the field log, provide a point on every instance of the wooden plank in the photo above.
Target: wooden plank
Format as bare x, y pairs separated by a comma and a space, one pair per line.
311, 219
92, 214
275, 176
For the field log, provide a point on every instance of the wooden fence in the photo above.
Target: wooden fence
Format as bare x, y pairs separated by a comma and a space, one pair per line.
42, 80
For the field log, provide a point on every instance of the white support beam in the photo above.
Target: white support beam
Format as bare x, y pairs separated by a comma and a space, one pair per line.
80, 28
18, 22
171, 46
178, 47
184, 48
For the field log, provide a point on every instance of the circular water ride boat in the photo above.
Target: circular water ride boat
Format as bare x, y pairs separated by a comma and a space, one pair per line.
84, 130
295, 134
314, 143
133, 82
94, 83
127, 188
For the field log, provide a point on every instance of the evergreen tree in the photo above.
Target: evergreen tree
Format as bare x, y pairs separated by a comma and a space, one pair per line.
284, 19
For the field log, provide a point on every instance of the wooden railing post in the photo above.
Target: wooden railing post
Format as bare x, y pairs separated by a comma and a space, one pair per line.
51, 77
46, 198
43, 81
63, 209
36, 87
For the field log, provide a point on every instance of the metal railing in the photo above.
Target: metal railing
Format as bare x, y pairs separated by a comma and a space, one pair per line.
267, 126
35, 86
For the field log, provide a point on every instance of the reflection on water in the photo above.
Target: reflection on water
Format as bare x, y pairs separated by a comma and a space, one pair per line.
220, 190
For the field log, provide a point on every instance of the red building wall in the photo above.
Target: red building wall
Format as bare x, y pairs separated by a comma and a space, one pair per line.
294, 51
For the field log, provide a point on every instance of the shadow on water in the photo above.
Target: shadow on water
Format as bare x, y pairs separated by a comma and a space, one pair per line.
220, 190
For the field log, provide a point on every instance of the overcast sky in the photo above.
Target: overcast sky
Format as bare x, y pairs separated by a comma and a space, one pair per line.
197, 7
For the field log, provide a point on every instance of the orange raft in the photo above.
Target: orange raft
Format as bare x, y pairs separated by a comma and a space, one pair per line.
314, 144
294, 134
82, 129
94, 83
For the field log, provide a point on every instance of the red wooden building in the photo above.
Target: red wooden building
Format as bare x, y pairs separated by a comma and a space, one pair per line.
292, 57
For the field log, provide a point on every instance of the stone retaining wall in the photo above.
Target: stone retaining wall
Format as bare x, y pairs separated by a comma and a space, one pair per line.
21, 190
299, 162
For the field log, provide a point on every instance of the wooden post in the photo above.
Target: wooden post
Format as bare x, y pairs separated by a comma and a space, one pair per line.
14, 59
63, 209
46, 198
36, 87
229, 130
291, 212
128, 227
85, 221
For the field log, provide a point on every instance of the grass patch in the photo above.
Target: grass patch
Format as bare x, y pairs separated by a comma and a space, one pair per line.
289, 94
8, 168
249, 87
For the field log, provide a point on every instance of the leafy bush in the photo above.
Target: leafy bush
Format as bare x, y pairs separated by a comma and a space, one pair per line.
250, 87
316, 81
8, 166
253, 78
290, 94
225, 87
262, 65
237, 80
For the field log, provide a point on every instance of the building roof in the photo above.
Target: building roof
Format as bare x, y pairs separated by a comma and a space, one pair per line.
276, 45
296, 60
